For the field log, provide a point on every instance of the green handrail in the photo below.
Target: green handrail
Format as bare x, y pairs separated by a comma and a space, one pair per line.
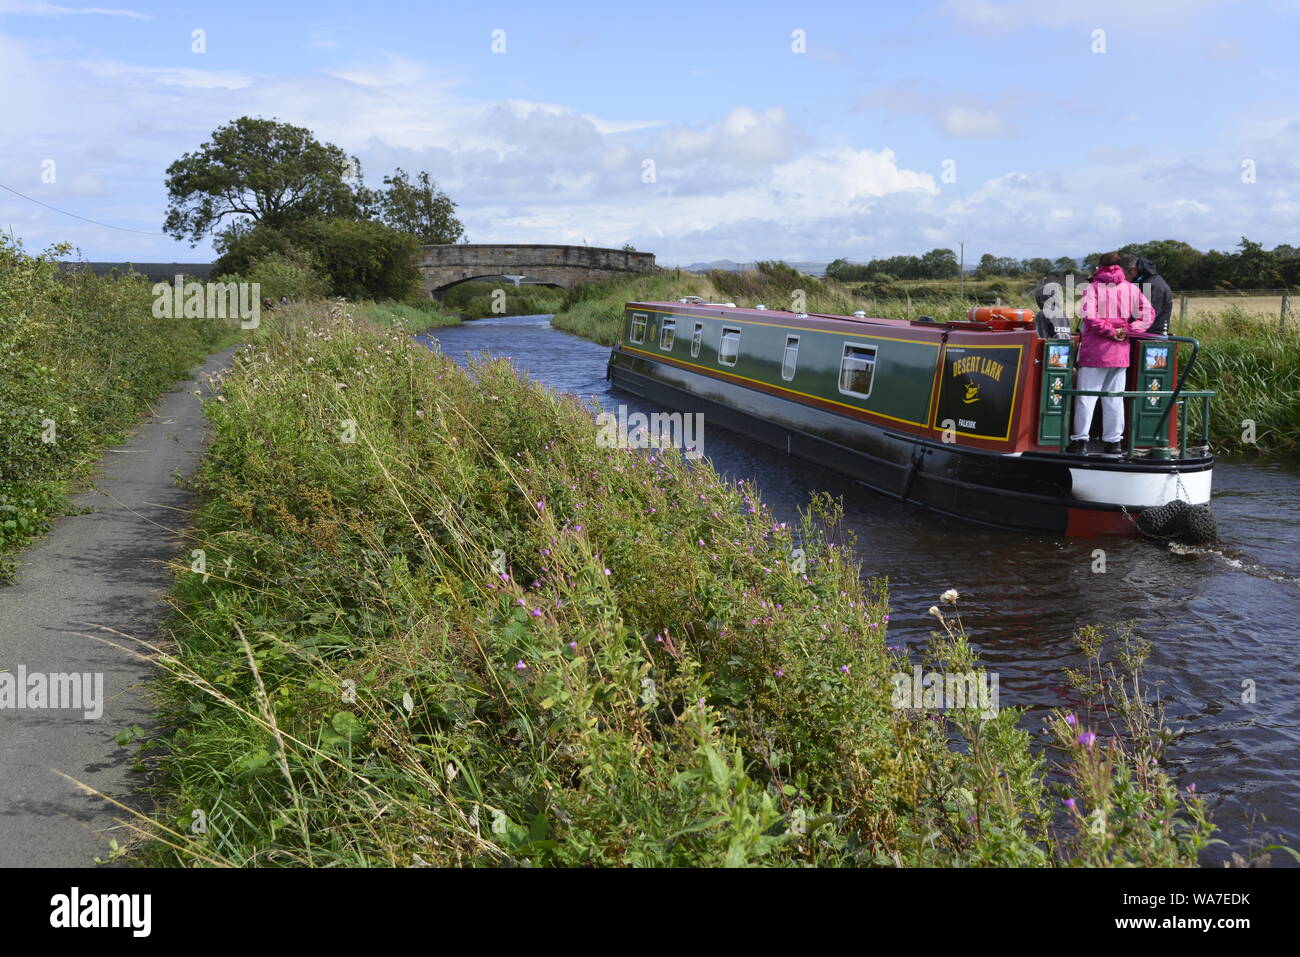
1196, 348
1205, 395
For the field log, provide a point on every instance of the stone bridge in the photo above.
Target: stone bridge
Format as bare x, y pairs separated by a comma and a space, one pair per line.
564, 266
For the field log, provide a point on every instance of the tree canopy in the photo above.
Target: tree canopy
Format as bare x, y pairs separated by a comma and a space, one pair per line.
1251, 266
259, 171
278, 201
419, 208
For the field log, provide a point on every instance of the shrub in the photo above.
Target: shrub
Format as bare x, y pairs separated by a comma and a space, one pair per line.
81, 356
360, 259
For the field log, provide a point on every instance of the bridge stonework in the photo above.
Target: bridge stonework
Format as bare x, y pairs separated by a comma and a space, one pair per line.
566, 266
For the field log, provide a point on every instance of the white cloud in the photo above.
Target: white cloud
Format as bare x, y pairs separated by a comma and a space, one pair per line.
36, 8
751, 183
1006, 15
960, 115
964, 121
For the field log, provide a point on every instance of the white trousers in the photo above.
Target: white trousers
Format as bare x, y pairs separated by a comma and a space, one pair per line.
1112, 410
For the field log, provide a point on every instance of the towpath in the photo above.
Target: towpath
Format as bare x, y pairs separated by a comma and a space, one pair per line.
102, 569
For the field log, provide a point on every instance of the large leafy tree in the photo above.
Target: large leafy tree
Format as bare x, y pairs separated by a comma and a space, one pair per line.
419, 208
259, 171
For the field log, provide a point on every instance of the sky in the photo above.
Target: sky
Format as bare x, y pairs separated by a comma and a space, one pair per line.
696, 131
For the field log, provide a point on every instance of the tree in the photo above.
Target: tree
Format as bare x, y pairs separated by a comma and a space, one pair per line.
1182, 266
419, 209
1288, 263
1254, 267
991, 266
259, 171
939, 264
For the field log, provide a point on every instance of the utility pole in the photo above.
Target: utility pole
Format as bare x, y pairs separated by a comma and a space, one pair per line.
961, 272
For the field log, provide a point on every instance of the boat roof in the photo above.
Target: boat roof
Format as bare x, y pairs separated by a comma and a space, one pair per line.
811, 319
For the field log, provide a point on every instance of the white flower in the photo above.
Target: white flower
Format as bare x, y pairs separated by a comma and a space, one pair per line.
934, 610
950, 596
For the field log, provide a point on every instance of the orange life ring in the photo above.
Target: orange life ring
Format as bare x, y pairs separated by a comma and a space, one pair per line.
999, 314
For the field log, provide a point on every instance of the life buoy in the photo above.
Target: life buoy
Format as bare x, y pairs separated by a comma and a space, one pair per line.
999, 315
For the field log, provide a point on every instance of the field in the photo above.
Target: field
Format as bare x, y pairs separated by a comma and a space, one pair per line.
1265, 307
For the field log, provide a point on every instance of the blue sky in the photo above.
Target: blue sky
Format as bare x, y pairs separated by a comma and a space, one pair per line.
902, 127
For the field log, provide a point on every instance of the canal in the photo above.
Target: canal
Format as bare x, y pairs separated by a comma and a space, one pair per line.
1223, 623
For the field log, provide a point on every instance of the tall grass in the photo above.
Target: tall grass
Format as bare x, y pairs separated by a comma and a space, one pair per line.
438, 623
81, 357
410, 317
1253, 364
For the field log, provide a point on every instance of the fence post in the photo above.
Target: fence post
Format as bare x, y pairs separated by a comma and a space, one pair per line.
1182, 309
1286, 310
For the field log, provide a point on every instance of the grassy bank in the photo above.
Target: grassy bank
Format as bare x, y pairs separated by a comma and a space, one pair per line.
438, 623
1254, 366
81, 358
413, 318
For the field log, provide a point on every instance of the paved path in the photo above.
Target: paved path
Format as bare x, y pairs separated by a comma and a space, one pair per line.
102, 568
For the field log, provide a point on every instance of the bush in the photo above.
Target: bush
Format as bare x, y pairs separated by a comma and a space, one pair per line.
359, 259
81, 356
293, 274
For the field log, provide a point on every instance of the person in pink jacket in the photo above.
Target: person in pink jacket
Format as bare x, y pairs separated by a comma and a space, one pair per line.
1111, 307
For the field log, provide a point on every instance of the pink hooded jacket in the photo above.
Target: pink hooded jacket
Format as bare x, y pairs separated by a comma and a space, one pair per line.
1106, 306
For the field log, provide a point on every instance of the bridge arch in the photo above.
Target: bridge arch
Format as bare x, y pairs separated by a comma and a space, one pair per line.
565, 266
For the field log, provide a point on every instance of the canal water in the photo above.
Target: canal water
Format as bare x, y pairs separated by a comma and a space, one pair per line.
1223, 623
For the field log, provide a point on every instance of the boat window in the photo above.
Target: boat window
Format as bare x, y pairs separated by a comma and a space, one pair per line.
729, 345
667, 329
790, 357
638, 327
857, 369
696, 338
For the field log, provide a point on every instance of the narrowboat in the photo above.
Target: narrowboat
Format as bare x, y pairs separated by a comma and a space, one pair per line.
970, 418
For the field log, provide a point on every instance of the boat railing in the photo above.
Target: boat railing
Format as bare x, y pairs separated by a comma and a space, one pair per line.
1178, 398
1161, 449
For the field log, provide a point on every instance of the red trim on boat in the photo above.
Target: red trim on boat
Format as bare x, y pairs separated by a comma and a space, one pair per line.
1090, 522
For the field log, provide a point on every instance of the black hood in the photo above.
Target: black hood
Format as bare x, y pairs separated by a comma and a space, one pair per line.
1146, 267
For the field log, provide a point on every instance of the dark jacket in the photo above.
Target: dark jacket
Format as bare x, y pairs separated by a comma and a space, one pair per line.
1155, 288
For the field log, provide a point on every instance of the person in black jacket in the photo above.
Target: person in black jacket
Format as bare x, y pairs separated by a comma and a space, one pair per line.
1140, 270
